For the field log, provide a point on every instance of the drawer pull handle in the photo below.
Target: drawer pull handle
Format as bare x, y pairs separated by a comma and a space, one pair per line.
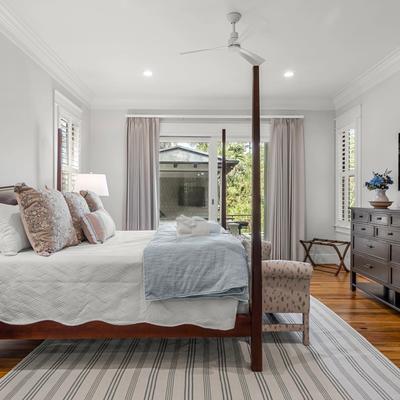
369, 266
363, 229
361, 216
390, 233
370, 246
379, 218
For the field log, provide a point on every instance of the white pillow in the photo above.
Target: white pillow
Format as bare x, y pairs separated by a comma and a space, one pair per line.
13, 238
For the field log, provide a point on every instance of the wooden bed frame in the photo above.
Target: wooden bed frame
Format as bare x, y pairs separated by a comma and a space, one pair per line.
247, 325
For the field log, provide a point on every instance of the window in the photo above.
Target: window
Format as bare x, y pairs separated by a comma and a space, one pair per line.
346, 169
68, 121
70, 152
345, 142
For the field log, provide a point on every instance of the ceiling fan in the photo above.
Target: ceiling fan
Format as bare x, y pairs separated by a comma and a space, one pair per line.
233, 43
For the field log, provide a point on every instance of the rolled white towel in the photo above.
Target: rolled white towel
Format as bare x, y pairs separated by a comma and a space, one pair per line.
201, 228
184, 225
196, 226
215, 227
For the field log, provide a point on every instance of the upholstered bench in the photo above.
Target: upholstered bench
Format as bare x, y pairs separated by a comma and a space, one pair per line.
286, 289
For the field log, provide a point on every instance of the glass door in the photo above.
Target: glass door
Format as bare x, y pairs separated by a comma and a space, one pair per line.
186, 165
190, 176
238, 183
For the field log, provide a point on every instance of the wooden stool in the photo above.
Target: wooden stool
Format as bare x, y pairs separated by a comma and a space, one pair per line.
335, 244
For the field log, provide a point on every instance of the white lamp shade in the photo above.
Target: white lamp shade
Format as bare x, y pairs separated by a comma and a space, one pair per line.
94, 182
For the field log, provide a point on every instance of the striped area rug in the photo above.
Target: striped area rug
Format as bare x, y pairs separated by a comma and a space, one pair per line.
339, 364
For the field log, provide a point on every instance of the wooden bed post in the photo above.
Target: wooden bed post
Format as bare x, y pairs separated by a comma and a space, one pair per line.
59, 158
223, 180
256, 293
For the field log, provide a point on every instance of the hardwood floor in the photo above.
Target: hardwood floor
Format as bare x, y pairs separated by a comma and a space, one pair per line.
376, 322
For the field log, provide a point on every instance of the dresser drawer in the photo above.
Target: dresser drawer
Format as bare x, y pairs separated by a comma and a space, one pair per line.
371, 268
363, 229
371, 247
395, 253
395, 220
380, 219
396, 277
388, 234
360, 216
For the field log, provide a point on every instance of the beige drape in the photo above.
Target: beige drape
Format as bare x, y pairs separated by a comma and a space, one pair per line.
142, 202
286, 188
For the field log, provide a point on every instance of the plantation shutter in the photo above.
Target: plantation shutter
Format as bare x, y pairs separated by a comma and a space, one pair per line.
345, 150
70, 152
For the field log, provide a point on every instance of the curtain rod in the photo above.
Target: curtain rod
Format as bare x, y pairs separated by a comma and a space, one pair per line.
213, 116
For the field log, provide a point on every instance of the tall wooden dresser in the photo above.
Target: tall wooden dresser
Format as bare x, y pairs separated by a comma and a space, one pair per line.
375, 253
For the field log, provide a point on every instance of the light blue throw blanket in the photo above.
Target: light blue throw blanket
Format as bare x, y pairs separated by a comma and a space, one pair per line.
194, 266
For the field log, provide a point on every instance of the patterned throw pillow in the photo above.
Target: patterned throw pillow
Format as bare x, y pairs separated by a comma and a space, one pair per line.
93, 200
46, 218
78, 208
98, 226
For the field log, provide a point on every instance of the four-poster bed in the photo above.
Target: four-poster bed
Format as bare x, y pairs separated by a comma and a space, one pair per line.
246, 325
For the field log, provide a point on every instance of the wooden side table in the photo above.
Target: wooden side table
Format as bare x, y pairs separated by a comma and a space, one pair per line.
341, 247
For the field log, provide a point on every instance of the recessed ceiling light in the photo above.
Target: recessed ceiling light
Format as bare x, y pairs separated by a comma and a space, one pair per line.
147, 73
288, 74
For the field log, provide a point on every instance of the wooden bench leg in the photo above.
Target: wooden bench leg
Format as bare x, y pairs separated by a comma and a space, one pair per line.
306, 329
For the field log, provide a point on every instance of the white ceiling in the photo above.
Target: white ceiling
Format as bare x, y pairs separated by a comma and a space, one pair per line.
108, 44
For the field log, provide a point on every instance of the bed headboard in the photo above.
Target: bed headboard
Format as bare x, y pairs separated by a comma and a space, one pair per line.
7, 195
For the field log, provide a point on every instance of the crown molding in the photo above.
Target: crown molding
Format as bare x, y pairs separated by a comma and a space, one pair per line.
381, 71
31, 44
220, 104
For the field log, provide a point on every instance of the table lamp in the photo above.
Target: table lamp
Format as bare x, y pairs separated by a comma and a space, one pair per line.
94, 182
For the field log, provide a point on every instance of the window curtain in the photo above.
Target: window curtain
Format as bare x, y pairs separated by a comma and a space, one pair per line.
142, 203
286, 188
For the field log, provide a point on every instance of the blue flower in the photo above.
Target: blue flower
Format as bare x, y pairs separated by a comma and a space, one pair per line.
376, 181
380, 181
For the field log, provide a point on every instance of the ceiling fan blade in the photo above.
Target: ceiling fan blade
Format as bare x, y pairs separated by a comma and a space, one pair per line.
201, 50
252, 58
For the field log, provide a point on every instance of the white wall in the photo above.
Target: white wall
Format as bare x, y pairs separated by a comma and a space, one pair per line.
380, 125
320, 173
108, 155
27, 119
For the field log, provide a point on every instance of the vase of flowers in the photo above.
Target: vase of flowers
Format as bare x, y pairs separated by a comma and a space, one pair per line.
380, 183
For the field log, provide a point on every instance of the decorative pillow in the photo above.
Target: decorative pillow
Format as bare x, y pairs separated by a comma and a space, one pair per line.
78, 208
46, 218
98, 226
8, 198
93, 200
13, 238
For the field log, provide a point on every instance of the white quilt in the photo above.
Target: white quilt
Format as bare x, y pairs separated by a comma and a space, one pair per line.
101, 282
